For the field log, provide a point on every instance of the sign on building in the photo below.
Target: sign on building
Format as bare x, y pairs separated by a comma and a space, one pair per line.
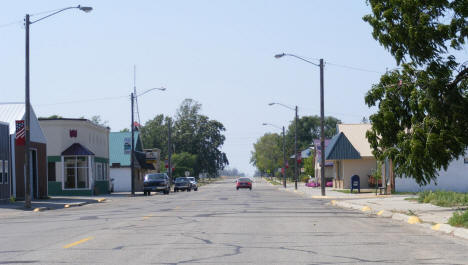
127, 145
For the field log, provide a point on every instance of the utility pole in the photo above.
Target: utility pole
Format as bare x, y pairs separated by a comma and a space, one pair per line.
169, 150
27, 195
295, 151
322, 133
132, 159
284, 162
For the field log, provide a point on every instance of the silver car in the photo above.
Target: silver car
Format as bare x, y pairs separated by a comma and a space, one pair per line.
194, 183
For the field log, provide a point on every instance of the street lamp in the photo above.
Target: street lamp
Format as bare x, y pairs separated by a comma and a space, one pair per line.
284, 153
322, 118
295, 138
27, 23
132, 126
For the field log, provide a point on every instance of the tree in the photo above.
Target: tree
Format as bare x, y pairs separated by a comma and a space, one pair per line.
55, 116
421, 123
192, 133
309, 165
155, 134
308, 129
125, 130
267, 154
183, 162
96, 119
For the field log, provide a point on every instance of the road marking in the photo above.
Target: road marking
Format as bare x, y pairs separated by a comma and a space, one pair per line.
365, 209
333, 202
380, 212
78, 242
414, 220
436, 227
177, 207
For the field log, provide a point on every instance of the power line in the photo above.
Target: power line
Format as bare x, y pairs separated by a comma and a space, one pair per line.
11, 23
354, 68
82, 101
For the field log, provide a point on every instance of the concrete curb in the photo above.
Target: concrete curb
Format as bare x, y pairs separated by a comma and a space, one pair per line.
40, 209
75, 204
410, 219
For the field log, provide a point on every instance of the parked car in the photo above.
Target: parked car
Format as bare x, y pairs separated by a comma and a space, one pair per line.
158, 182
244, 183
182, 183
194, 183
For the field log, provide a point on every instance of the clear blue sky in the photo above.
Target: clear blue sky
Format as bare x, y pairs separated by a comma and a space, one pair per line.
219, 53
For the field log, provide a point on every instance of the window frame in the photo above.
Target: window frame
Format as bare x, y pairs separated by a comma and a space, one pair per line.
65, 176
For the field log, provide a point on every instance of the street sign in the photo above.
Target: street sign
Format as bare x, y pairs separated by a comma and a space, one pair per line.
187, 173
151, 157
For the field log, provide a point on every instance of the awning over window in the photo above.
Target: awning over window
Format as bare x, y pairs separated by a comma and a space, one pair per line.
77, 149
141, 159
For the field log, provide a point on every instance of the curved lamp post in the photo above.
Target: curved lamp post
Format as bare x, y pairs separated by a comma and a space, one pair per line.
322, 118
27, 23
295, 138
284, 153
132, 126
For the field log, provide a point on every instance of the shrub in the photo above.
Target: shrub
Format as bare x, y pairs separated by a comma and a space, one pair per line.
304, 178
444, 198
459, 219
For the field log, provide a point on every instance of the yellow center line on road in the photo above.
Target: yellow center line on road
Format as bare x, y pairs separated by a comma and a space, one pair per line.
78, 242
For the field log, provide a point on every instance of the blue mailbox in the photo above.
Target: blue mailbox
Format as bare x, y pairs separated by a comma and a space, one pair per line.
355, 183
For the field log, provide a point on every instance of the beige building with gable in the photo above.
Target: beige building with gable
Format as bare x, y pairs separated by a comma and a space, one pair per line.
351, 155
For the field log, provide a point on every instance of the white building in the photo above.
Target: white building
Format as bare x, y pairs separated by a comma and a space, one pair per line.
77, 156
455, 178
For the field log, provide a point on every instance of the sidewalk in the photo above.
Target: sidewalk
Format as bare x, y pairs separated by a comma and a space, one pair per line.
397, 207
53, 203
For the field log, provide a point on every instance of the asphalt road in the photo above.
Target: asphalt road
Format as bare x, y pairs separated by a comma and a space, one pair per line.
219, 225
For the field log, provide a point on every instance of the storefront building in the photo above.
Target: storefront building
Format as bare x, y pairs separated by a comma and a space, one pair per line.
77, 157
14, 114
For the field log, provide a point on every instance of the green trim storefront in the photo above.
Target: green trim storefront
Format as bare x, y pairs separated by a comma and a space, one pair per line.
97, 187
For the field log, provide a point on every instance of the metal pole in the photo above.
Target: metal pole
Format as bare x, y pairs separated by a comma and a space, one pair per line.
284, 162
132, 160
322, 132
169, 151
295, 151
27, 197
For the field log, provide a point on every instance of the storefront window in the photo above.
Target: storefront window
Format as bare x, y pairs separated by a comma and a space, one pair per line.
76, 172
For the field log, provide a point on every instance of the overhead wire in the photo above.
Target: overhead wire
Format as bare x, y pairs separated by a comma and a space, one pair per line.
82, 101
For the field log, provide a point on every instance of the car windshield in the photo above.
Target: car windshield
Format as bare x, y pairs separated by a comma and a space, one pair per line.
178, 180
191, 179
155, 177
244, 180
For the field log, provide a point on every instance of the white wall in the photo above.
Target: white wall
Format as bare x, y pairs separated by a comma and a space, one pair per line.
121, 178
91, 136
454, 179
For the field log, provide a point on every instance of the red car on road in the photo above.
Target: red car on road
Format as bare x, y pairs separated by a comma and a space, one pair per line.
244, 183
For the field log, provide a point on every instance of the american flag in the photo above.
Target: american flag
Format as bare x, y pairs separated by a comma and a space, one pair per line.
20, 133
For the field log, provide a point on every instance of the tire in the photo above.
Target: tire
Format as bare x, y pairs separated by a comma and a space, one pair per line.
189, 190
237, 188
175, 190
250, 188
149, 193
145, 193
166, 192
196, 189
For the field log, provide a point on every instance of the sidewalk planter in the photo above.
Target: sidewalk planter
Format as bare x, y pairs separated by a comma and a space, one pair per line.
78, 157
